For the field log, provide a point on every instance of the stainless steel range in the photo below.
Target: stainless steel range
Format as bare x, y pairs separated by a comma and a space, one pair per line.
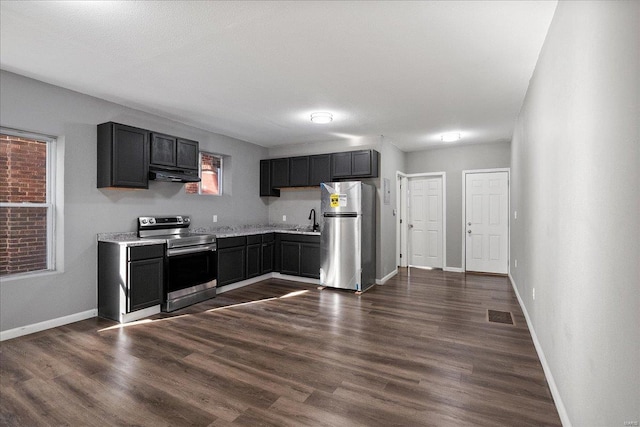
190, 260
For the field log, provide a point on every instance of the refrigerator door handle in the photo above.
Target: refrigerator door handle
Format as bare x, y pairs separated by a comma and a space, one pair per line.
340, 215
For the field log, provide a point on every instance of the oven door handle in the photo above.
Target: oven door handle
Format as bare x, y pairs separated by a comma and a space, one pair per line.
191, 250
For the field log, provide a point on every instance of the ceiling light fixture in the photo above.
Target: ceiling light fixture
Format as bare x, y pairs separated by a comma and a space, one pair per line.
450, 137
321, 117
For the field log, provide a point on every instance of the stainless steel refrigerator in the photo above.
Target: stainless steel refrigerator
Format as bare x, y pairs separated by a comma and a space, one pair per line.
348, 235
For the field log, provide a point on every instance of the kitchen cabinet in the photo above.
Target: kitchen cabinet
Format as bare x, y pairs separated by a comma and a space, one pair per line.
355, 164
123, 156
266, 189
319, 169
299, 171
267, 254
254, 256
170, 151
232, 258
130, 279
279, 173
299, 255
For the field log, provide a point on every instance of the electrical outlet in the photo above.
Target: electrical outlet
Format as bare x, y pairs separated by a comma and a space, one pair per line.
516, 263
534, 294
284, 218
215, 218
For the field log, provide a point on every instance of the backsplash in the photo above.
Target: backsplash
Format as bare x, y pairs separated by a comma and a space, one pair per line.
295, 203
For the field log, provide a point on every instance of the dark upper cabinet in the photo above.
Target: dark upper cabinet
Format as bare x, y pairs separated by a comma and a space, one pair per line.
279, 173
341, 165
299, 171
266, 189
175, 152
355, 164
163, 150
187, 154
123, 156
319, 169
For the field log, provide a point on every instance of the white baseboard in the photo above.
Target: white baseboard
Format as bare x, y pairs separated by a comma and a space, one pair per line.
453, 269
562, 411
47, 324
387, 277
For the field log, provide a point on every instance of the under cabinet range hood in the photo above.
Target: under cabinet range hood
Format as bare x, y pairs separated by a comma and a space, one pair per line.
172, 175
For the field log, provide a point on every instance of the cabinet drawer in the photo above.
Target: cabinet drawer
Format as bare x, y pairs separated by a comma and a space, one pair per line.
254, 239
231, 242
146, 252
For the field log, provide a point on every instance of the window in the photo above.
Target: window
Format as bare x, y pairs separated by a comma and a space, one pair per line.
26, 202
210, 176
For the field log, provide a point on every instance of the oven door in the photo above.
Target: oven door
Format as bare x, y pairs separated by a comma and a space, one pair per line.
190, 276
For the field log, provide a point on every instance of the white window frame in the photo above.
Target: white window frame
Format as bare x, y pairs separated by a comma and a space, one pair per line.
50, 200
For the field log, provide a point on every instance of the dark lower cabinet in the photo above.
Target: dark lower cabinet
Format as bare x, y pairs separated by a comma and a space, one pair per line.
299, 255
119, 296
232, 257
254, 258
310, 260
145, 283
268, 252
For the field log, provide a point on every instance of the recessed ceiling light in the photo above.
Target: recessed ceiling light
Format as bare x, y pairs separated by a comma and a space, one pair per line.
450, 137
321, 117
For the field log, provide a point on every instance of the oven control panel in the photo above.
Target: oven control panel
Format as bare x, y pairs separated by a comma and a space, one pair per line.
164, 221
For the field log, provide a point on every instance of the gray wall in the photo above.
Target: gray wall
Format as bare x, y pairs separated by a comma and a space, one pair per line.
296, 203
453, 161
576, 187
37, 107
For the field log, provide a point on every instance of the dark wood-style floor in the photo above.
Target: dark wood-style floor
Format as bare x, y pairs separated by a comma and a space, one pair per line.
417, 351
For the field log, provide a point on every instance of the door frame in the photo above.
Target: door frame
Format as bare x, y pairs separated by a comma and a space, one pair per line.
464, 213
401, 209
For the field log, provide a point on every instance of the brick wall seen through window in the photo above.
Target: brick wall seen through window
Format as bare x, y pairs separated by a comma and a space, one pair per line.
210, 176
24, 205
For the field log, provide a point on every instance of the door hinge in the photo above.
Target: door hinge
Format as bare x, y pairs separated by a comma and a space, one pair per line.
400, 221
400, 255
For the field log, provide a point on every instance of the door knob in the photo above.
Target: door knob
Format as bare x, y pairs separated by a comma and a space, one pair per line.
410, 225
469, 223
469, 231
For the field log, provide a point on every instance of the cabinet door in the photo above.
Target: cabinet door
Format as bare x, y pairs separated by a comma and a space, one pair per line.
290, 258
187, 154
267, 258
319, 169
266, 189
253, 260
123, 156
310, 260
145, 283
299, 171
364, 163
163, 150
279, 173
231, 265
341, 165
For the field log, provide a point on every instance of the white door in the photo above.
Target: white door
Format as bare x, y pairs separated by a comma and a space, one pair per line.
425, 222
486, 222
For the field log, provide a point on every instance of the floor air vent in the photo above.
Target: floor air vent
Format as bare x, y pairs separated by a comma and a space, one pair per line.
500, 317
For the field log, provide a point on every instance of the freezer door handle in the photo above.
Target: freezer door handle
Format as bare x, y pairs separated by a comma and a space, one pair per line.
340, 215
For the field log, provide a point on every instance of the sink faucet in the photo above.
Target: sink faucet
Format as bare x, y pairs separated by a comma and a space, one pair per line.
316, 226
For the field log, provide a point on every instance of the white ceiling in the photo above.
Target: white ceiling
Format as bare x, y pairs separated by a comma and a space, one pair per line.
256, 70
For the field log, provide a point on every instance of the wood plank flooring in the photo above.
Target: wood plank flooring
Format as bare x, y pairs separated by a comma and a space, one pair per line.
417, 351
